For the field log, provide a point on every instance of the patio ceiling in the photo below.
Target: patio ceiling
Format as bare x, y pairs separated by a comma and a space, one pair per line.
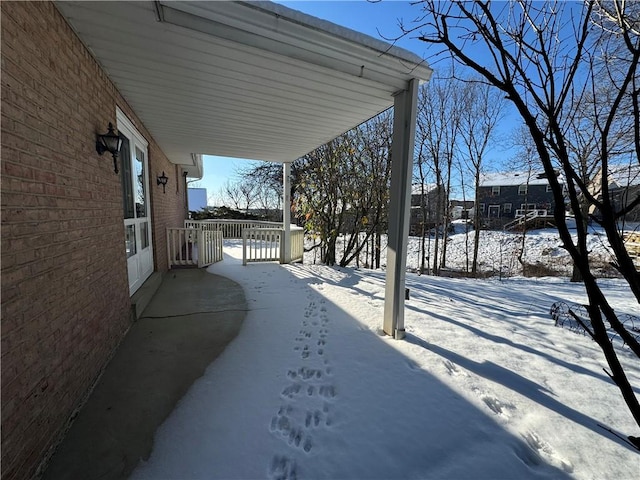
240, 79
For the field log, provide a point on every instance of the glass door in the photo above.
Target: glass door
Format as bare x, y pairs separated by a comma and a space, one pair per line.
135, 202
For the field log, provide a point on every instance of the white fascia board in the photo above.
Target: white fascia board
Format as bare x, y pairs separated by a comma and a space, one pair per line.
304, 38
191, 164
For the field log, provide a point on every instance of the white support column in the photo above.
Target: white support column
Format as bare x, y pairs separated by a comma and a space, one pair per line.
404, 129
285, 254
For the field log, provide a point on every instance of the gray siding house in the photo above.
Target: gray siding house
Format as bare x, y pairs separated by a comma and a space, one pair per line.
504, 197
624, 189
426, 200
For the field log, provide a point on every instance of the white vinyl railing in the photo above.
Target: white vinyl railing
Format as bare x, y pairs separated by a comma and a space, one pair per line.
209, 247
262, 245
193, 247
200, 241
297, 244
523, 216
522, 212
265, 245
229, 228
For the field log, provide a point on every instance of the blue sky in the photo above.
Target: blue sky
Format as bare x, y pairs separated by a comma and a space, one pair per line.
373, 18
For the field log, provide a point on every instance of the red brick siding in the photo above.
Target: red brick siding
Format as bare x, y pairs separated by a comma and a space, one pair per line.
169, 209
65, 296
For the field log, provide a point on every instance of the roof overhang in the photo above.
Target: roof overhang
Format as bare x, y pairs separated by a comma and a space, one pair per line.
240, 79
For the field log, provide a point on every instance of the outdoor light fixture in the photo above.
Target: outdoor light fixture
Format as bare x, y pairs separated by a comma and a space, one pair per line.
162, 180
110, 142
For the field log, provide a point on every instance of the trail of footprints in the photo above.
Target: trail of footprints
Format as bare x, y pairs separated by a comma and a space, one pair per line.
506, 410
307, 399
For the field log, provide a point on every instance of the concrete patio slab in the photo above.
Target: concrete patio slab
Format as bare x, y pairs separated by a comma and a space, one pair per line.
188, 323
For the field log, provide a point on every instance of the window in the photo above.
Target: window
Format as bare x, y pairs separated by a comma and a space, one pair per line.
528, 206
495, 191
127, 182
506, 208
523, 189
482, 207
548, 188
140, 190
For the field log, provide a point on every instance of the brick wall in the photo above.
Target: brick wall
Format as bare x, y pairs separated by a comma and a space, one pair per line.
65, 297
168, 209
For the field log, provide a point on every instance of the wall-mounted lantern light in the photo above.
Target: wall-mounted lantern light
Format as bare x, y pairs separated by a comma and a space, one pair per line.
162, 180
110, 142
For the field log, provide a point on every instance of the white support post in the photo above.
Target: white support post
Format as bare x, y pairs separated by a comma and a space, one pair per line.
404, 129
285, 253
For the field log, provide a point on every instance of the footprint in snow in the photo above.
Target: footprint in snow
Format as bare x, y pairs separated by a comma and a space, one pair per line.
282, 468
496, 406
287, 428
546, 451
451, 368
292, 390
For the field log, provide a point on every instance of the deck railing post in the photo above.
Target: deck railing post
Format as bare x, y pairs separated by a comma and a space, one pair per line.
244, 247
285, 245
200, 241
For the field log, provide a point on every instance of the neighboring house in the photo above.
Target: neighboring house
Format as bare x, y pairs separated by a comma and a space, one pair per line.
176, 80
502, 197
426, 201
624, 188
461, 209
197, 199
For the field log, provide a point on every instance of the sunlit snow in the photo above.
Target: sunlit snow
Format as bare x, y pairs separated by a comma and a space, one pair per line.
484, 385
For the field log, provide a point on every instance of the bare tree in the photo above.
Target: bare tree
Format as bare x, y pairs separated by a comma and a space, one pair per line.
436, 136
374, 140
230, 193
536, 54
342, 190
422, 169
266, 180
319, 198
582, 132
248, 193
483, 108
525, 161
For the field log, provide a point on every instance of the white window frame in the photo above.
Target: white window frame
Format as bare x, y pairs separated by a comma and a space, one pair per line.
495, 191
523, 189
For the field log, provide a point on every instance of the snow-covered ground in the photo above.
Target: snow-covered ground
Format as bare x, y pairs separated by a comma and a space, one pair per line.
498, 252
484, 386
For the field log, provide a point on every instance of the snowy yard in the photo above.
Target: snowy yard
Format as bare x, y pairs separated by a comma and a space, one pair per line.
484, 386
498, 251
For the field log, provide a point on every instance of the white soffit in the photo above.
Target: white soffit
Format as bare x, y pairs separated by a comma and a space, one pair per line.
240, 79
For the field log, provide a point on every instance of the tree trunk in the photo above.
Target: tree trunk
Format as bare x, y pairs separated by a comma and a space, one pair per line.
422, 247
476, 226
576, 274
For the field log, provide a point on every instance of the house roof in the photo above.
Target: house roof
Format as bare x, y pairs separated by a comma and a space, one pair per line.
240, 79
416, 188
623, 176
505, 179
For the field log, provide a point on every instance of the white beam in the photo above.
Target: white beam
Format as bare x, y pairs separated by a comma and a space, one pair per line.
404, 128
286, 212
